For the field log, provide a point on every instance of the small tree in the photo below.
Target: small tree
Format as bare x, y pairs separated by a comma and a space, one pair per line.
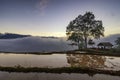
83, 27
118, 42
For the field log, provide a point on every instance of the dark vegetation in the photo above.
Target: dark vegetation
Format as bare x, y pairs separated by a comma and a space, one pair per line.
89, 71
105, 52
12, 36
83, 28
118, 43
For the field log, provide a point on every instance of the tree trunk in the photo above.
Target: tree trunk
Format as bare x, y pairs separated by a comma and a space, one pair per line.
86, 42
78, 45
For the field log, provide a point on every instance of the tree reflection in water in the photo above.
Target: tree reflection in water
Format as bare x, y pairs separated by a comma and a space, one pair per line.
91, 61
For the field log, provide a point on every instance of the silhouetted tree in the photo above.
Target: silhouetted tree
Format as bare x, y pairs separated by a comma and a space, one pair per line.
118, 42
83, 27
76, 37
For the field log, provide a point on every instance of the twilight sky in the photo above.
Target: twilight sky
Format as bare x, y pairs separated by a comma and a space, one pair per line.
50, 17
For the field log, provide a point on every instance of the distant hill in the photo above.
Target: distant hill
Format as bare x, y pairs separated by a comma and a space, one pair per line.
12, 36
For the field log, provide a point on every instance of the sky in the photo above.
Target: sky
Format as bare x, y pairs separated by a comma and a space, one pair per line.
51, 17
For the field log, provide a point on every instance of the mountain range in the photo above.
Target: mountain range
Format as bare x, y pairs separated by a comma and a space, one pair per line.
12, 36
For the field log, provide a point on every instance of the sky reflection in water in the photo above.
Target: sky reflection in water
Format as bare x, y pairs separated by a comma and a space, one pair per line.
60, 60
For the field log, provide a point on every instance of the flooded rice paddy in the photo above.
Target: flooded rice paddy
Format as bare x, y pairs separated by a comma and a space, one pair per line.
55, 61
60, 60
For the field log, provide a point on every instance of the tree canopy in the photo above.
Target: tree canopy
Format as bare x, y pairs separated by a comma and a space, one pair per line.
118, 42
84, 27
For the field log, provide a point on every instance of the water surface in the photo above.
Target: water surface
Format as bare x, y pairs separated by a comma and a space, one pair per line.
30, 60
60, 60
50, 76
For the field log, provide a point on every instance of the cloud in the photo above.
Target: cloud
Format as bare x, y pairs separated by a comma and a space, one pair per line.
43, 5
35, 44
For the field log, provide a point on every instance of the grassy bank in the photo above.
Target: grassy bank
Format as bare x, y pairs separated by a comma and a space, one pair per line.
104, 52
60, 70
